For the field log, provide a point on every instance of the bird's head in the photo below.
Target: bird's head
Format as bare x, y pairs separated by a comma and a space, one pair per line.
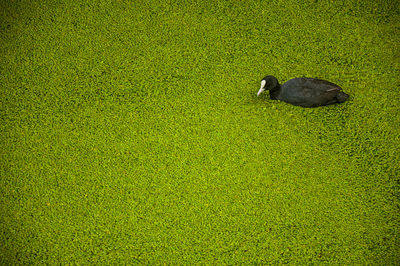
268, 83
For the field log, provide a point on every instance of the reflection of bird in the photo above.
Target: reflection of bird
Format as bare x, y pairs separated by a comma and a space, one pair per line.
306, 92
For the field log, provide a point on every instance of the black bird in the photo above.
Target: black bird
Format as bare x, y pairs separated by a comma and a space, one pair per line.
306, 92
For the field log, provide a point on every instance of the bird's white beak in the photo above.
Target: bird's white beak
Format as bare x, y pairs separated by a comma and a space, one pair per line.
261, 88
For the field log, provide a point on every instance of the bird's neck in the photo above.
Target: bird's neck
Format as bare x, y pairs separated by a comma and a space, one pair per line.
274, 93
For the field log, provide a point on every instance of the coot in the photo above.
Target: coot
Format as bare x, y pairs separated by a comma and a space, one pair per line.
306, 92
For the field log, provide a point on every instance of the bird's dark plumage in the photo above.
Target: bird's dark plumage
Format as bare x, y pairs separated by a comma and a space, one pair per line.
306, 92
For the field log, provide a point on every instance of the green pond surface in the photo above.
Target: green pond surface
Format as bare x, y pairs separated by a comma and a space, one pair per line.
131, 133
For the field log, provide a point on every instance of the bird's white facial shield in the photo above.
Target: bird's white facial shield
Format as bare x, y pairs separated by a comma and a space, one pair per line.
262, 88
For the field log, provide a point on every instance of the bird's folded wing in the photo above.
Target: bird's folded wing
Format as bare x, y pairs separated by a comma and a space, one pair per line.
331, 89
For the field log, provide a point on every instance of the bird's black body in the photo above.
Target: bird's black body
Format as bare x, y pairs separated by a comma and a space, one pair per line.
305, 92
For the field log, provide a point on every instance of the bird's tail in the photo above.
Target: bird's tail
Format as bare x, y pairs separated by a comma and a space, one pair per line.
342, 97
